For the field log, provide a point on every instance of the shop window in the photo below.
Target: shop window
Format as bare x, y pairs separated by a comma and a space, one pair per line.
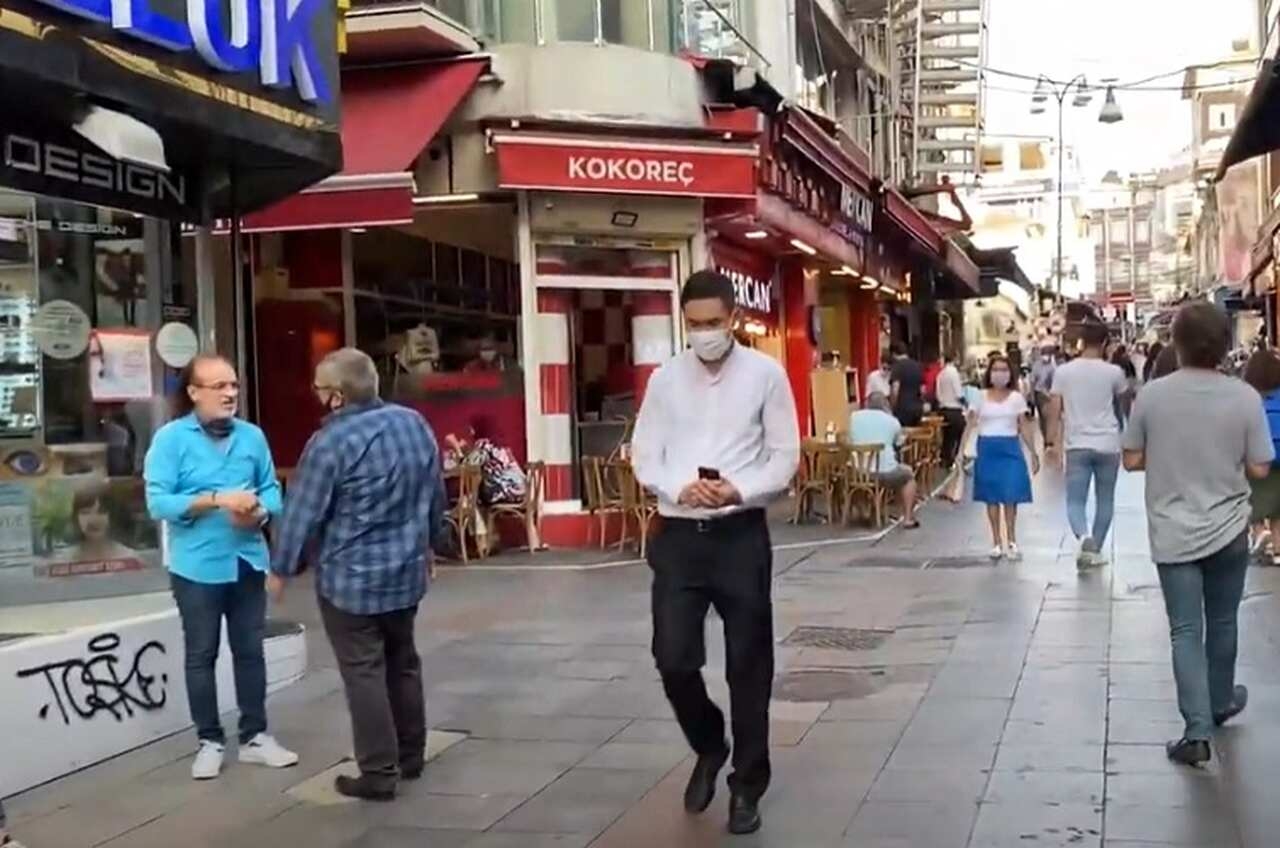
82, 390
586, 267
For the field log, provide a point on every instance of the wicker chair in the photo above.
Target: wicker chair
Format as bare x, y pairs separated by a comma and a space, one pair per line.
819, 475
922, 451
636, 504
464, 515
529, 511
861, 481
600, 497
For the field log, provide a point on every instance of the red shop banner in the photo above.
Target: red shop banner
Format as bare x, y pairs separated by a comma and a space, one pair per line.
625, 166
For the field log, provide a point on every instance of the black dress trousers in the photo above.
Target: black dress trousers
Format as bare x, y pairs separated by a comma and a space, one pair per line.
726, 563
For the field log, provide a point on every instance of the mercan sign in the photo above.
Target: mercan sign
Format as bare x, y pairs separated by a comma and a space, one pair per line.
274, 39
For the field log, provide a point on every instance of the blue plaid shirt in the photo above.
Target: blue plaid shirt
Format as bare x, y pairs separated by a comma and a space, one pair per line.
369, 494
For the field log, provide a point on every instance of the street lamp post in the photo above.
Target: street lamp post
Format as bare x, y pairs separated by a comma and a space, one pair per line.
1110, 114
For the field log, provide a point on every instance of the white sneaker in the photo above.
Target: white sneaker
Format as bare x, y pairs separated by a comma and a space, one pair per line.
264, 750
996, 553
1013, 553
208, 764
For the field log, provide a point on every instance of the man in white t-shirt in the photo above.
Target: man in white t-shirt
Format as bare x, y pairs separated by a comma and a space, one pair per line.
949, 392
1084, 427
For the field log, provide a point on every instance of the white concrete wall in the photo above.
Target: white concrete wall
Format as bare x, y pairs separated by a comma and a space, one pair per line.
73, 699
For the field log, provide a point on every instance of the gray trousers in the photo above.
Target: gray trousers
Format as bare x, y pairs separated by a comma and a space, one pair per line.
382, 675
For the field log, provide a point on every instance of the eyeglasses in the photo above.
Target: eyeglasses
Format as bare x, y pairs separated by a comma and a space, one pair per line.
221, 386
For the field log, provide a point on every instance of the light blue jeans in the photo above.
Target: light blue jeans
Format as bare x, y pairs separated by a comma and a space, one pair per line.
1102, 469
1202, 599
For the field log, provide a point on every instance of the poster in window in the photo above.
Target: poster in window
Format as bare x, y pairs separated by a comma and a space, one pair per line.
92, 525
15, 523
120, 271
119, 365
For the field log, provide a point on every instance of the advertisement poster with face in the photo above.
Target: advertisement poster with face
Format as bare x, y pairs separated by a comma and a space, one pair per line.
119, 365
120, 272
91, 526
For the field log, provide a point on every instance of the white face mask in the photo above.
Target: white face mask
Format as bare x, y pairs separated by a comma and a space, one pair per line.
999, 379
710, 345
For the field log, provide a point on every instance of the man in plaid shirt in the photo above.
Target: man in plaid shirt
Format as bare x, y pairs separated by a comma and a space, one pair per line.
363, 507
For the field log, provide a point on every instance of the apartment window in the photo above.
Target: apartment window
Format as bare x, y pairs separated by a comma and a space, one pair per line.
992, 157
1030, 157
1095, 233
1222, 117
570, 20
1119, 230
1142, 232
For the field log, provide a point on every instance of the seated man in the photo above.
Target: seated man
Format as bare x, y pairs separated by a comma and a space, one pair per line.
876, 424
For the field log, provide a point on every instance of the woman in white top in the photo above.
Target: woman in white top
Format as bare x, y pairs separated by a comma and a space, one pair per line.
1000, 478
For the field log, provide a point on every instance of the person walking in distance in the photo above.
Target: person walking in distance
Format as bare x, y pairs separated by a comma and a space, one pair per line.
1200, 435
210, 479
716, 440
1040, 386
368, 495
906, 380
1262, 371
1084, 428
1000, 478
949, 391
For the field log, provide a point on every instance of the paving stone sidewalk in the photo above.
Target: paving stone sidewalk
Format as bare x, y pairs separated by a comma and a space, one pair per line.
926, 699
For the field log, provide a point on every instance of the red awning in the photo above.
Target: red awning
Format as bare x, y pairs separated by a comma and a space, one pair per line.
388, 116
912, 222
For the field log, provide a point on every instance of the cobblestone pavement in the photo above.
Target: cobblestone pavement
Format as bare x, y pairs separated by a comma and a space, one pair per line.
969, 704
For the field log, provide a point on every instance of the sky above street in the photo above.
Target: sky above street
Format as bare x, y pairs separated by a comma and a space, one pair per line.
1128, 39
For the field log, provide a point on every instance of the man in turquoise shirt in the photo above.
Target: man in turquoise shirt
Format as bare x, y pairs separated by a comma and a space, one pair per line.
876, 425
210, 478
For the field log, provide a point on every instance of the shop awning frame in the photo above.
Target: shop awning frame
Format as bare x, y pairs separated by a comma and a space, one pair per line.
1257, 131
341, 202
390, 115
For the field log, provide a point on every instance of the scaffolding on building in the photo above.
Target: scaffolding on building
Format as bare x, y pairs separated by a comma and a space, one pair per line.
939, 53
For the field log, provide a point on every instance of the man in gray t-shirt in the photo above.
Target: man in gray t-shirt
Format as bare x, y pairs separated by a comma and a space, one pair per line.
1198, 433
1198, 429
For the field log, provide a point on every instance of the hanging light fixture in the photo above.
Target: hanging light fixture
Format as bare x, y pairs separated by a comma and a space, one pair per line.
1039, 95
1084, 94
1111, 112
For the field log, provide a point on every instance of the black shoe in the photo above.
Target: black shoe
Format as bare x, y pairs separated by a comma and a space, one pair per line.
1189, 752
411, 772
1239, 700
702, 783
744, 815
363, 788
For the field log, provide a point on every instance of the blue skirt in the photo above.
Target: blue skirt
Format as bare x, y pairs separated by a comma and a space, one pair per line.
1000, 473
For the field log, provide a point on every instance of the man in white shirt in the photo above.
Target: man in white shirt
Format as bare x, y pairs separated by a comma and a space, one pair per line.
950, 396
716, 440
1084, 425
878, 380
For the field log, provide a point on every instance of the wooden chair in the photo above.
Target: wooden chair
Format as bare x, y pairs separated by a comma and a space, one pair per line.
464, 515
918, 452
529, 510
862, 481
636, 503
820, 472
600, 498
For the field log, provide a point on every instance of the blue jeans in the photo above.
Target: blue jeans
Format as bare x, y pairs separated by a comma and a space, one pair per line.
1102, 468
202, 607
1202, 599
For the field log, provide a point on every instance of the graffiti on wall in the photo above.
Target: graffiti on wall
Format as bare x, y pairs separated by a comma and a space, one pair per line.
102, 681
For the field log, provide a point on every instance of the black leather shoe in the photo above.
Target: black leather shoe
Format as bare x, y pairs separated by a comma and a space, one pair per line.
363, 788
1189, 752
411, 772
744, 815
702, 783
1239, 700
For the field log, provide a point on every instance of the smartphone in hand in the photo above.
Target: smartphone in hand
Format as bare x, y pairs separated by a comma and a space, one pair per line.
708, 474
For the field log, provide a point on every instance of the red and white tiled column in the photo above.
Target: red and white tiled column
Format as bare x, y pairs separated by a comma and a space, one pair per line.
555, 382
652, 336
